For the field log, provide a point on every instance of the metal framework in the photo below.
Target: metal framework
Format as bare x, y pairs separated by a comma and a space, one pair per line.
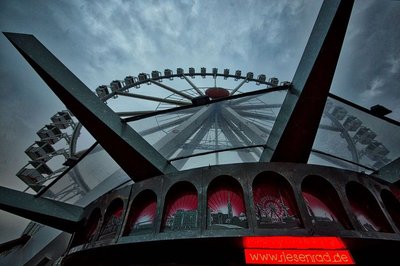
199, 124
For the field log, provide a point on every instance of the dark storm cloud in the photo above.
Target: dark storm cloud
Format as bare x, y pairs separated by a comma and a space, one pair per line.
369, 69
280, 40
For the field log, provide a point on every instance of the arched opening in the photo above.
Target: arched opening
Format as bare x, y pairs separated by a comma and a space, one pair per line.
180, 208
323, 203
366, 208
112, 219
142, 214
392, 204
88, 231
225, 204
274, 201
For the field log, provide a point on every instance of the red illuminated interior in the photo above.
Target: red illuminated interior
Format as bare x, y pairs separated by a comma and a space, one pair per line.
222, 191
112, 220
218, 201
182, 197
145, 214
319, 208
367, 210
323, 202
396, 192
118, 212
274, 201
183, 201
114, 213
92, 224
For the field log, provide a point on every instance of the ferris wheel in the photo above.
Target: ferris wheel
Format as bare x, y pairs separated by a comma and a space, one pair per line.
193, 119
192, 130
182, 125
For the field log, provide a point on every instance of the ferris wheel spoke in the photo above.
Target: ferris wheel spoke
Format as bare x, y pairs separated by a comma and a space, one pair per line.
242, 137
177, 137
164, 126
193, 86
257, 115
228, 132
184, 95
238, 87
155, 99
192, 145
250, 130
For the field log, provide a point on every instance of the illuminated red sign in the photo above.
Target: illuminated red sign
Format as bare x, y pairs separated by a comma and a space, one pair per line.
293, 242
296, 250
297, 256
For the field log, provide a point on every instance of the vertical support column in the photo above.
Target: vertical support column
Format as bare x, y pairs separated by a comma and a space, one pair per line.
296, 126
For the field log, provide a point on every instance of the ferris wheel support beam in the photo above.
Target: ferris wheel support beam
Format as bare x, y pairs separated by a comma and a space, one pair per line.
228, 132
192, 145
242, 136
177, 137
296, 126
134, 155
163, 126
249, 129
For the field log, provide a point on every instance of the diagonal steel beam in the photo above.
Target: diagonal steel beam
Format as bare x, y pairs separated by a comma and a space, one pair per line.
60, 215
135, 156
294, 131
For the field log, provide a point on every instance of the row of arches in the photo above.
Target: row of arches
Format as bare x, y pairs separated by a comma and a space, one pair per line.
271, 200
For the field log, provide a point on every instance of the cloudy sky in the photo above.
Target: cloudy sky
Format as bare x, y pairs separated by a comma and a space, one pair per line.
101, 41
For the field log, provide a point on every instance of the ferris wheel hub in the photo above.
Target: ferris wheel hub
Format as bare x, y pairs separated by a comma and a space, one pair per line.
217, 92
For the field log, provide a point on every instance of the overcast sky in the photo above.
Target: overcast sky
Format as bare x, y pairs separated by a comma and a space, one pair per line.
101, 41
